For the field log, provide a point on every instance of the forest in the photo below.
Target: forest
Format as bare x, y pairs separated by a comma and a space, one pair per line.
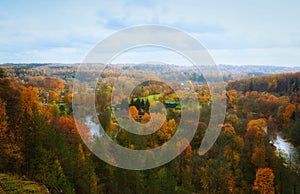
40, 140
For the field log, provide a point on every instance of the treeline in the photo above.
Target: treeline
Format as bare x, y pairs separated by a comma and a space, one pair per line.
43, 144
138, 103
281, 84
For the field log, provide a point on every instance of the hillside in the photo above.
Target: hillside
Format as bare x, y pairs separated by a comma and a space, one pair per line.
40, 137
14, 184
280, 84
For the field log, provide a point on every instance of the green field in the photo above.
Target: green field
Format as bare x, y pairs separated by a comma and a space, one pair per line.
154, 98
151, 98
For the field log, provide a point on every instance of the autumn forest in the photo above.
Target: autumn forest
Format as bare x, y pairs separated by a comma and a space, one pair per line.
257, 151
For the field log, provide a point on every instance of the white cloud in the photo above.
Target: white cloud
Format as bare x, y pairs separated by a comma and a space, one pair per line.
225, 27
260, 56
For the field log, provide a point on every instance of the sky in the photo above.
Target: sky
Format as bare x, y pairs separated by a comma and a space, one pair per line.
234, 32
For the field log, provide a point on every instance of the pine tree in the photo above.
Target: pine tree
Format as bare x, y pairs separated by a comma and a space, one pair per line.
143, 104
137, 103
251, 85
147, 105
131, 102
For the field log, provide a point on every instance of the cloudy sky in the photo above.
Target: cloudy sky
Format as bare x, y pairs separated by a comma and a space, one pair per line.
234, 32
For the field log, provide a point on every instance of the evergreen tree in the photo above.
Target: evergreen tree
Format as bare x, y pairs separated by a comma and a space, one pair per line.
62, 110
251, 85
142, 104
137, 103
1, 73
147, 105
55, 109
41, 160
131, 102
295, 133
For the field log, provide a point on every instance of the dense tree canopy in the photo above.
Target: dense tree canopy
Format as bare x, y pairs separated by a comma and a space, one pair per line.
41, 141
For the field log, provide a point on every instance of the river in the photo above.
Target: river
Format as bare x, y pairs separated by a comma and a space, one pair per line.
286, 150
283, 148
94, 127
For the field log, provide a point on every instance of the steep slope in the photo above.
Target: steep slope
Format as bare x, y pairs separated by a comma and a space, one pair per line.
14, 184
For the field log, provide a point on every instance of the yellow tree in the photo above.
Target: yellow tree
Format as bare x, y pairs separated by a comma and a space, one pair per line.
289, 111
257, 125
3, 121
264, 182
167, 130
145, 118
256, 131
111, 127
134, 113
8, 147
228, 129
3, 132
53, 96
29, 100
60, 84
68, 98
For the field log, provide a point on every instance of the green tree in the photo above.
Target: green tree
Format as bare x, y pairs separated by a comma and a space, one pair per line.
295, 133
147, 105
55, 109
41, 156
137, 103
2, 75
142, 104
131, 102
